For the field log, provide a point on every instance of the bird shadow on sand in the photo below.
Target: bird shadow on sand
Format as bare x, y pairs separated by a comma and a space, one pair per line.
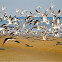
16, 41
48, 39
28, 45
2, 49
10, 48
27, 37
37, 39
33, 41
59, 43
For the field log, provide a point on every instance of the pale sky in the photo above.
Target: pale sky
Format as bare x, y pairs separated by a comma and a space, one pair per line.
29, 5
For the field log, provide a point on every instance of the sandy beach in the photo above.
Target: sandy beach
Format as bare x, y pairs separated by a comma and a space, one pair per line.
40, 50
30, 31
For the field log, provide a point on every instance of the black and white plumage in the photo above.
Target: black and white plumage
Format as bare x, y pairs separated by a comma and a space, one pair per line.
37, 11
59, 12
37, 23
7, 39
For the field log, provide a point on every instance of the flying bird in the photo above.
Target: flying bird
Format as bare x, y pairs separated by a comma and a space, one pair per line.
44, 18
1, 19
37, 11
44, 35
37, 23
17, 10
52, 5
39, 7
7, 39
3, 8
59, 12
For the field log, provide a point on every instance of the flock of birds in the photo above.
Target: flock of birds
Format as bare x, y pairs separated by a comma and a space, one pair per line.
7, 29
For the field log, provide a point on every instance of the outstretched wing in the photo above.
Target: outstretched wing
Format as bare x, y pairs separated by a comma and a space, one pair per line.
5, 40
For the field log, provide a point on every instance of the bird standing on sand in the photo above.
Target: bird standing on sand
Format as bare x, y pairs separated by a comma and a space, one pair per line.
44, 32
44, 36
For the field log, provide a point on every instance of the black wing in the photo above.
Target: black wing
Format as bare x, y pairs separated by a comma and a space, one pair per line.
5, 40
